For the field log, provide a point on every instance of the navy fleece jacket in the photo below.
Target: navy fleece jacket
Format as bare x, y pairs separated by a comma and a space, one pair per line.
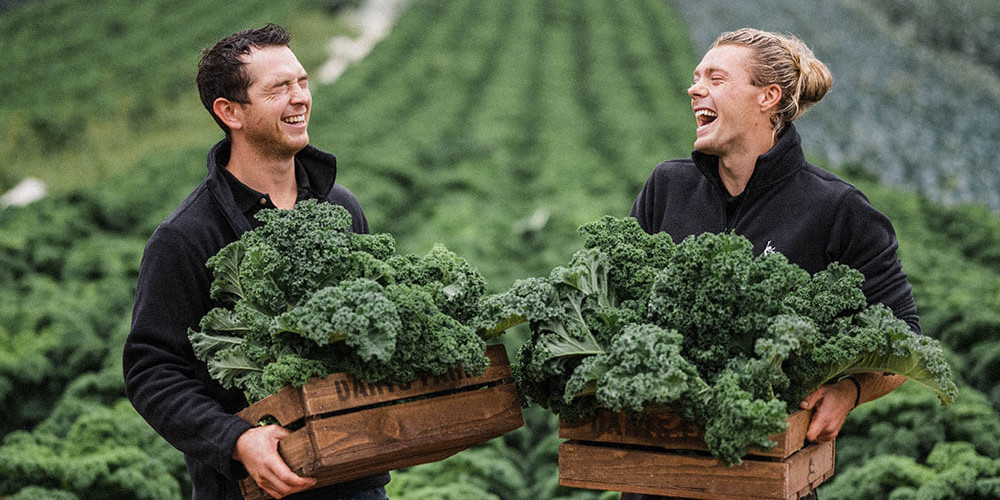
790, 206
167, 385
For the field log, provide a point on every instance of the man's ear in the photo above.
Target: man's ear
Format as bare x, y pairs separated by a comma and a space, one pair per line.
770, 97
229, 112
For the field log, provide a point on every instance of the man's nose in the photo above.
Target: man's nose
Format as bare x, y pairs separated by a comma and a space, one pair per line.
696, 90
300, 94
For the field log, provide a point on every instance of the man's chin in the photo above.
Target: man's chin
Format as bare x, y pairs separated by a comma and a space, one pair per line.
298, 143
702, 146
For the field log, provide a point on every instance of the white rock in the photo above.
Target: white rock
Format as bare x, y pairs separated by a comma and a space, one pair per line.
27, 191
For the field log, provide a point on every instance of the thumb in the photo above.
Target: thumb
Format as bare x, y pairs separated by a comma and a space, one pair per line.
809, 402
277, 432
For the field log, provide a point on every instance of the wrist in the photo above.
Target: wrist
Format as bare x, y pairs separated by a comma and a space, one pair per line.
857, 388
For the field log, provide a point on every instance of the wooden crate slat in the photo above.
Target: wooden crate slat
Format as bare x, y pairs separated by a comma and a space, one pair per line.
818, 466
391, 437
251, 491
794, 437
635, 470
285, 406
345, 438
300, 446
341, 391
668, 430
454, 420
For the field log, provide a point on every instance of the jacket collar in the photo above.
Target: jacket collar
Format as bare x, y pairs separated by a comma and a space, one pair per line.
783, 159
318, 167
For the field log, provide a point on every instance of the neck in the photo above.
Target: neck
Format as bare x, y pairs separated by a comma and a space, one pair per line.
270, 175
736, 172
736, 168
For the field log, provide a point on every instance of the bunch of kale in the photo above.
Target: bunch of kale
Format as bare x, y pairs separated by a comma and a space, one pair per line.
728, 340
303, 297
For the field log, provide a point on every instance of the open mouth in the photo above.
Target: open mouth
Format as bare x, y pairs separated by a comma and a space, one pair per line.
705, 117
294, 120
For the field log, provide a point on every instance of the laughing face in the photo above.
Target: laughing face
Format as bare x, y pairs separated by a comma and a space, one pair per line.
276, 118
731, 112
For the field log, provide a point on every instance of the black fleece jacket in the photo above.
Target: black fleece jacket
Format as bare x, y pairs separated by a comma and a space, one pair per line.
790, 206
167, 385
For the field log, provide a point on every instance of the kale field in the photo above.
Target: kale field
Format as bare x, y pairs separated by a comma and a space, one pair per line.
496, 128
917, 86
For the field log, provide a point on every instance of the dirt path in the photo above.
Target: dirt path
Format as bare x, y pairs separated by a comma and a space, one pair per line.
374, 20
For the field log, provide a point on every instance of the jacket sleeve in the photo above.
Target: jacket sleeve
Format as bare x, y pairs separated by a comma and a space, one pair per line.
342, 196
863, 238
166, 384
644, 208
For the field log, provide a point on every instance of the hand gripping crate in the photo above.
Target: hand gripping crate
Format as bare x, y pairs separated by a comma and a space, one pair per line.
348, 429
661, 454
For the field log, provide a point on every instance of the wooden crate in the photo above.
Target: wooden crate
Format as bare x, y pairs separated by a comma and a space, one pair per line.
352, 429
665, 455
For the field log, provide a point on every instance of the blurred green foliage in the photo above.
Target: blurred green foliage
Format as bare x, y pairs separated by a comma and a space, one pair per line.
495, 128
906, 447
951, 257
967, 29
89, 89
915, 94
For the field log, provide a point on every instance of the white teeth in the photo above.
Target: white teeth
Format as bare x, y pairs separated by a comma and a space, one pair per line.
704, 117
294, 119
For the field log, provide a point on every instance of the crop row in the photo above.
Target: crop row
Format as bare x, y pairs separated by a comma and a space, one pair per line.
78, 73
500, 112
966, 29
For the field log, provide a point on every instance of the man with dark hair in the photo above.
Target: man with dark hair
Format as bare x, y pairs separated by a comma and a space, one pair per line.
258, 92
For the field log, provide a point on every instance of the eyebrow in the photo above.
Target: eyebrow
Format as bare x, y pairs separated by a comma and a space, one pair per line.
288, 81
710, 71
281, 81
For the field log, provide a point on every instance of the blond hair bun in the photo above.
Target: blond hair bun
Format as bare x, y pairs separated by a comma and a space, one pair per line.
786, 61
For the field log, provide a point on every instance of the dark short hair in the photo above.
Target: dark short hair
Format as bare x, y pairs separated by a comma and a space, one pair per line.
221, 71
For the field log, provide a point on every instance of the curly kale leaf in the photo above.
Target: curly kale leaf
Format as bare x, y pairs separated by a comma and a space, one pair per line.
223, 340
295, 253
455, 285
874, 341
435, 340
258, 276
288, 369
559, 341
226, 283
642, 368
726, 338
303, 296
716, 294
831, 293
236, 367
226, 324
430, 341
570, 314
580, 288
736, 420
588, 272
635, 256
539, 300
356, 312
528, 299
785, 336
